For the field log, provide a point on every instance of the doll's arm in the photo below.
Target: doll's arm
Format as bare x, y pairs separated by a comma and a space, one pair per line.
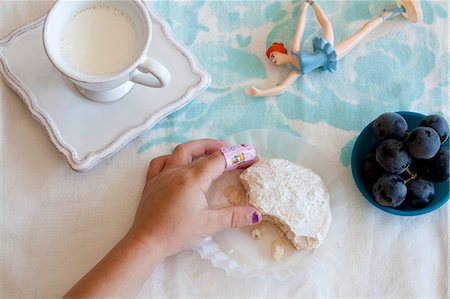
279, 89
298, 36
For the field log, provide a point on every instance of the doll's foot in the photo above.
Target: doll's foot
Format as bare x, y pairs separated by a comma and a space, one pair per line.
413, 11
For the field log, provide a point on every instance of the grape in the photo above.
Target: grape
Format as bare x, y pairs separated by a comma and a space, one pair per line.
420, 192
370, 170
393, 156
390, 125
436, 169
389, 190
438, 123
423, 143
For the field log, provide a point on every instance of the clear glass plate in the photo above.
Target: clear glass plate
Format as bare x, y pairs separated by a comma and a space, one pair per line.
235, 251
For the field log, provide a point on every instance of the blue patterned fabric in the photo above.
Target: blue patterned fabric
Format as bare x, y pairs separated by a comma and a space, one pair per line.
400, 66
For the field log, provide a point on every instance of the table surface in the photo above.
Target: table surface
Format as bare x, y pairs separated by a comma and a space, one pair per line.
57, 223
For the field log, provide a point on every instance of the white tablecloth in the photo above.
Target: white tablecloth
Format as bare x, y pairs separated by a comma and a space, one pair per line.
57, 223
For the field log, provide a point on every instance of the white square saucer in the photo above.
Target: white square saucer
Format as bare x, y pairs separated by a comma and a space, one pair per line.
84, 131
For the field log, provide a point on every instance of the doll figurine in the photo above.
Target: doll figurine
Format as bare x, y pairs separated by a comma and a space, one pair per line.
326, 54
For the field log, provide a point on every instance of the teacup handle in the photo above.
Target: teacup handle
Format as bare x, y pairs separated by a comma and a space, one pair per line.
148, 71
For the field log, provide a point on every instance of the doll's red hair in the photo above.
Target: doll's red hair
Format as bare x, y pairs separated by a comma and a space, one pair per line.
276, 47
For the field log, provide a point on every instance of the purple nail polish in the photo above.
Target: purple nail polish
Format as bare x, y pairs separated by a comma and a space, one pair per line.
255, 217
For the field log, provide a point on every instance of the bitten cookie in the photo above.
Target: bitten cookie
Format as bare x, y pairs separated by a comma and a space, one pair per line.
292, 197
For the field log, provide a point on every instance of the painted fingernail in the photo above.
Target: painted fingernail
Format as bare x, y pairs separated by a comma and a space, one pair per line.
256, 217
237, 155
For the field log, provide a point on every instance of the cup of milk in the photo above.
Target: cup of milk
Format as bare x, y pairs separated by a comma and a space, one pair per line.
102, 46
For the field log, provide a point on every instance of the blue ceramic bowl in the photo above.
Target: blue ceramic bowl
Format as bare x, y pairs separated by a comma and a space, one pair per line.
366, 143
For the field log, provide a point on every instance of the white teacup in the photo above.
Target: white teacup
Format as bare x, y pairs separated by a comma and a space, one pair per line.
102, 47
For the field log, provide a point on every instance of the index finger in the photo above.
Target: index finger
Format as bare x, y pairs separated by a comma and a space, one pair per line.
208, 169
185, 153
211, 167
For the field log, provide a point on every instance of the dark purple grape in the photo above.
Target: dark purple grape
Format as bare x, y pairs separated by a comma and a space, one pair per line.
389, 190
438, 123
393, 156
371, 171
390, 125
423, 143
420, 192
436, 169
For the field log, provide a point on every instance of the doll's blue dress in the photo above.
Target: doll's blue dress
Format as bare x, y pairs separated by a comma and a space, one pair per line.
324, 56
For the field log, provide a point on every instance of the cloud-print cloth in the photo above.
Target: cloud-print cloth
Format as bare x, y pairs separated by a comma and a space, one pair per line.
56, 224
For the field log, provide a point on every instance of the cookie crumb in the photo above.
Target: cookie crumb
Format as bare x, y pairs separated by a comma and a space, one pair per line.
233, 194
278, 249
256, 233
228, 190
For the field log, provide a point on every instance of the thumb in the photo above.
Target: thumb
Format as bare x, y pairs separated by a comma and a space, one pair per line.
232, 217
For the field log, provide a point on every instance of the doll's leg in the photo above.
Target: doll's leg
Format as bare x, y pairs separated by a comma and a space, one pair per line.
353, 40
298, 36
327, 28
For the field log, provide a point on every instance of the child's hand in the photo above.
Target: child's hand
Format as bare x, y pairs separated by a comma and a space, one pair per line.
173, 212
173, 215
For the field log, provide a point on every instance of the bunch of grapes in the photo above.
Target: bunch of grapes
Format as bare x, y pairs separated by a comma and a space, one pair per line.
405, 164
